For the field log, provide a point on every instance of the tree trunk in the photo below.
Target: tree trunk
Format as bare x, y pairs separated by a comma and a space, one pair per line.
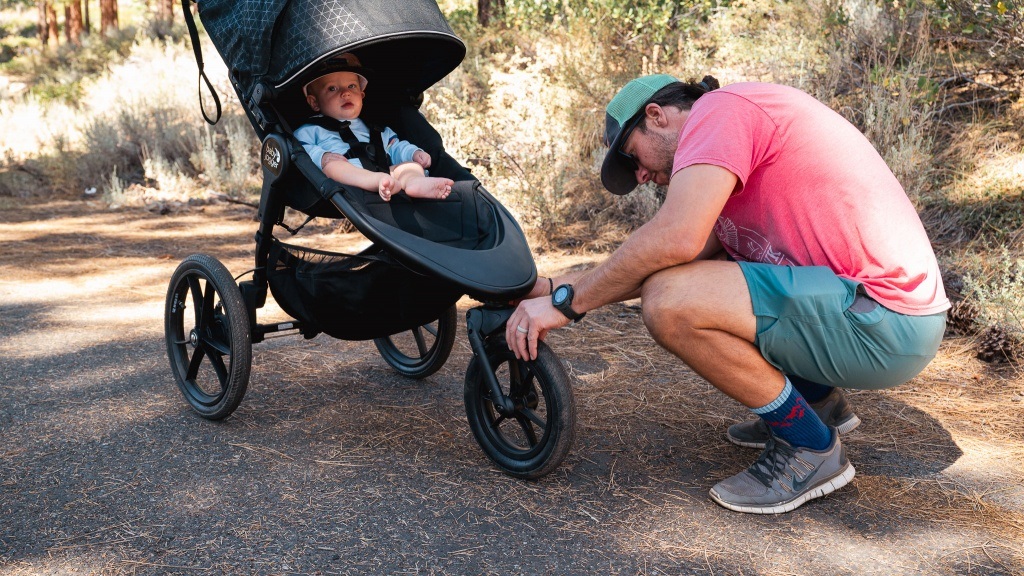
488, 10
51, 22
85, 12
73, 22
108, 16
165, 11
42, 29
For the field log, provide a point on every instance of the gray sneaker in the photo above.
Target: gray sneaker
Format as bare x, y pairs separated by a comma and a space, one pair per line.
833, 410
783, 477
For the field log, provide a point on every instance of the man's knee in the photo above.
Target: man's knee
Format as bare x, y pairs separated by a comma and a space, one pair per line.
664, 305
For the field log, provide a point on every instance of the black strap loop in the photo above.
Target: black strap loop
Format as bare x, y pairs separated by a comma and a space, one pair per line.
193, 33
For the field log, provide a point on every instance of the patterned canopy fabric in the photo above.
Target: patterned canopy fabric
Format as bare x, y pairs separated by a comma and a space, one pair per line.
407, 42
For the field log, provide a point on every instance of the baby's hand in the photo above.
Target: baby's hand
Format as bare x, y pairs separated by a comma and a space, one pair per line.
422, 158
386, 187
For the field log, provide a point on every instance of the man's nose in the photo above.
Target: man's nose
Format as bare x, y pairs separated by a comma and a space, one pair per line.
643, 175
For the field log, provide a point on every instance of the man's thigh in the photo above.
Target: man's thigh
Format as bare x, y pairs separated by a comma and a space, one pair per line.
818, 326
708, 294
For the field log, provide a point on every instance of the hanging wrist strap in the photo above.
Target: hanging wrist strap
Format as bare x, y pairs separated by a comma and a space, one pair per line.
193, 33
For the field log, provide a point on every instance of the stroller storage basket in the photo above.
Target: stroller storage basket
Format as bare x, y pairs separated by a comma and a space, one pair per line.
354, 297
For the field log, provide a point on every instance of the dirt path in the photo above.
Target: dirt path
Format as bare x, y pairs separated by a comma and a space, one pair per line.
334, 465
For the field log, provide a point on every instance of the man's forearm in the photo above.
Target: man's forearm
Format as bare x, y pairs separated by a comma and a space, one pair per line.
680, 232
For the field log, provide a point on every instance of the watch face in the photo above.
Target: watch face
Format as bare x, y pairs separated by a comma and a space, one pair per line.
561, 293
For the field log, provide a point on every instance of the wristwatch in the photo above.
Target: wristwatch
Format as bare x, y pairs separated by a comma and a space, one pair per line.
561, 299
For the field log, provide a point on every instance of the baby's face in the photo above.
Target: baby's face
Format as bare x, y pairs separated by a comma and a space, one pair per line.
336, 95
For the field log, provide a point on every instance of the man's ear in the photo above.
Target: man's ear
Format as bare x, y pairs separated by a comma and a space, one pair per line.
311, 100
656, 115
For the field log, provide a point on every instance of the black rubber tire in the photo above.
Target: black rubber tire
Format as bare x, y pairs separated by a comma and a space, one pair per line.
211, 349
420, 352
537, 437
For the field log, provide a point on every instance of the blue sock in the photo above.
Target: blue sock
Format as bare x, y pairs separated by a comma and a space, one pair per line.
811, 391
790, 418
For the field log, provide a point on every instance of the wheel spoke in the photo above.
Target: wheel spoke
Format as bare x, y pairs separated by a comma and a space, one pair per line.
531, 436
220, 368
208, 298
421, 343
520, 376
197, 297
222, 348
195, 362
534, 417
496, 423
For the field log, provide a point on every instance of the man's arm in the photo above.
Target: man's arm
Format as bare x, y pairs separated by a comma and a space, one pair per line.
679, 233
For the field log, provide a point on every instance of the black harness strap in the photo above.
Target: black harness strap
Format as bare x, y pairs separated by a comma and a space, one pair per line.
372, 155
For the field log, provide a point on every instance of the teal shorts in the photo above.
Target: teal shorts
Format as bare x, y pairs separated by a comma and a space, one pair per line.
816, 325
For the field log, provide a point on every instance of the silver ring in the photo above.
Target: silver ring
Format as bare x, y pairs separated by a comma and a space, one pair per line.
522, 330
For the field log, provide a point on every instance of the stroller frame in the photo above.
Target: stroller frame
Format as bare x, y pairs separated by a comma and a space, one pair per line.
522, 413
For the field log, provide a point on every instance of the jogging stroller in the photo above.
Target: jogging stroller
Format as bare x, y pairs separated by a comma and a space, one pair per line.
425, 254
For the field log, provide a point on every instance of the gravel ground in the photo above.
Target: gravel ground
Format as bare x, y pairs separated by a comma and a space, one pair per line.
333, 464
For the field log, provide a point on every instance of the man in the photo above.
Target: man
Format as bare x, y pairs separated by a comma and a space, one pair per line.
786, 260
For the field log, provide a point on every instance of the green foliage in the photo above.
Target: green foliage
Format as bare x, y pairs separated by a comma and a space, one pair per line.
57, 74
639, 25
999, 293
972, 17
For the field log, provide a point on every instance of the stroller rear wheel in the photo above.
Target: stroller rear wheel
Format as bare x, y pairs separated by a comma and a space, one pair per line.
420, 352
210, 347
534, 437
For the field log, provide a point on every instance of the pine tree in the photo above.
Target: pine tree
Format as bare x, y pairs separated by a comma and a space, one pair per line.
73, 21
108, 16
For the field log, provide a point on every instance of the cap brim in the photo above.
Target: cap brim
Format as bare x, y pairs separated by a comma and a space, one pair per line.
616, 177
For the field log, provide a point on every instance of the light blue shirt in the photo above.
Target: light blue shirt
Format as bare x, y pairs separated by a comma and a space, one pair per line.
318, 141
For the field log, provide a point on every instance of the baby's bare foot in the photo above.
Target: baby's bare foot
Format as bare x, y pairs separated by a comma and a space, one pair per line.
429, 187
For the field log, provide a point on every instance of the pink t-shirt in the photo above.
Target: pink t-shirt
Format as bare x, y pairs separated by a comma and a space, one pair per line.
812, 192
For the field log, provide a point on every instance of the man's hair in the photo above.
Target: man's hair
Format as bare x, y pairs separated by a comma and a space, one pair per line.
680, 95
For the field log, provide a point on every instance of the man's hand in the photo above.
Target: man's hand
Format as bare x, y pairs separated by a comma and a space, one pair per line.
529, 324
422, 158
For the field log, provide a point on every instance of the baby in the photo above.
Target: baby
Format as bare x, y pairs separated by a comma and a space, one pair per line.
335, 145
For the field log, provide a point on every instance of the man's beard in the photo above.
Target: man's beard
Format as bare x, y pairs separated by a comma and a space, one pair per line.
664, 151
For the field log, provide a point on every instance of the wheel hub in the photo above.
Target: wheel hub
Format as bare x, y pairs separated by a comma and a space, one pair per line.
193, 337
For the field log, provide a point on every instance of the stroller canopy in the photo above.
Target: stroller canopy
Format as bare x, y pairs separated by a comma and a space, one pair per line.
277, 42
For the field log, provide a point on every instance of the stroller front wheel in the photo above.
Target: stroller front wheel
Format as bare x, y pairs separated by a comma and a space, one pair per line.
209, 346
534, 437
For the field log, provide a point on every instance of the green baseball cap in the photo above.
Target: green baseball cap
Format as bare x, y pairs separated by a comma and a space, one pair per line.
621, 116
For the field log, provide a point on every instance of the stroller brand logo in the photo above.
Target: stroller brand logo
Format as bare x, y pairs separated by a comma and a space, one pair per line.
272, 157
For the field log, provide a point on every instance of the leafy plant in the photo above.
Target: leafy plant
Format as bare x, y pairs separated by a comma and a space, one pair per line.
999, 294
